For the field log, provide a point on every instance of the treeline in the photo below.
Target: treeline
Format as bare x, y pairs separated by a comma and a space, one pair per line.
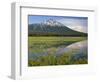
51, 34
47, 30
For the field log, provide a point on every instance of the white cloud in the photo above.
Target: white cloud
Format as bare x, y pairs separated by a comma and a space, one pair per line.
75, 24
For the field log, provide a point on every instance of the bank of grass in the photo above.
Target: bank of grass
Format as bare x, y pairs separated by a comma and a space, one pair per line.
50, 39
39, 44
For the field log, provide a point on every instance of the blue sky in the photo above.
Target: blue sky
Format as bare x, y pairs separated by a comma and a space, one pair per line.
75, 23
37, 19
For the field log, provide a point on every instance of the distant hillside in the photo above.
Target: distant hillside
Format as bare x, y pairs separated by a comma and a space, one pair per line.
52, 28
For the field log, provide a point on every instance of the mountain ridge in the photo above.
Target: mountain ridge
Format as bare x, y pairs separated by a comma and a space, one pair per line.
52, 27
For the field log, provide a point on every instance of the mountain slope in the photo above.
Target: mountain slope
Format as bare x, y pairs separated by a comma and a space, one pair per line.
52, 27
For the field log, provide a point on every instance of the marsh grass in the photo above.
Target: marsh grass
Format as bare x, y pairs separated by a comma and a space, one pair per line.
39, 44
50, 44
64, 59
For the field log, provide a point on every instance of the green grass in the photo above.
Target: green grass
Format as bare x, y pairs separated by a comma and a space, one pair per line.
50, 59
49, 39
41, 44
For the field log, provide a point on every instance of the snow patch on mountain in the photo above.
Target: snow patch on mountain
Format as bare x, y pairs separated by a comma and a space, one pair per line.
52, 22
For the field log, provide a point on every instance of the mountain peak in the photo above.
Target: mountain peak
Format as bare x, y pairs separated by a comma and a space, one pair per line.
53, 22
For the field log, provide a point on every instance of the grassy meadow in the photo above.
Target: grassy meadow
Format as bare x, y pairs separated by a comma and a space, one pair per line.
50, 45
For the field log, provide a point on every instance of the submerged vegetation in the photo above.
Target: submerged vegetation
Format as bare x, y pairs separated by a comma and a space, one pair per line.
64, 59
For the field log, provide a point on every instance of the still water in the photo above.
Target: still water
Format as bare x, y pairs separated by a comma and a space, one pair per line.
77, 49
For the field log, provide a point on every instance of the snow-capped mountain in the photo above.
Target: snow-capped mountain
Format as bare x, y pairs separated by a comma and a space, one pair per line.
52, 27
52, 22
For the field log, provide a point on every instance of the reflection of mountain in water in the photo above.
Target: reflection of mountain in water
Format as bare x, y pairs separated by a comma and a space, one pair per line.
78, 49
78, 46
